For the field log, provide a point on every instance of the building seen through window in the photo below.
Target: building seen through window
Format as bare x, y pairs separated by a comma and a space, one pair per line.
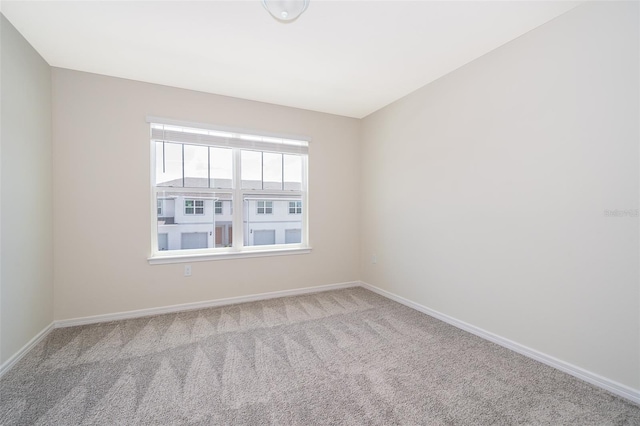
210, 187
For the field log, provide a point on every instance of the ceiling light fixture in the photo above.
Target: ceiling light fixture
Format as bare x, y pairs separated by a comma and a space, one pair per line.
285, 10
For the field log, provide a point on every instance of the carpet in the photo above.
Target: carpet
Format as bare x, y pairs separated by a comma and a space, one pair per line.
344, 357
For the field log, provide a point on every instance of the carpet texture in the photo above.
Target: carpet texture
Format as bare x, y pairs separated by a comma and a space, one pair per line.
346, 357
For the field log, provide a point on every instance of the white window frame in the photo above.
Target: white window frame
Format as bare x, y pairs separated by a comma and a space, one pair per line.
237, 140
159, 208
216, 208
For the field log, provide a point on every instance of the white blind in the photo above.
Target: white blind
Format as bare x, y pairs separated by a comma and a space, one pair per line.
197, 136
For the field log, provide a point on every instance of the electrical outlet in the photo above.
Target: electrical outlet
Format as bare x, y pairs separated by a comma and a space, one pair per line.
187, 270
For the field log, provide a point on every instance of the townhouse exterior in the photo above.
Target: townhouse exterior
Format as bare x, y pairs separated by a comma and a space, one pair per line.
193, 221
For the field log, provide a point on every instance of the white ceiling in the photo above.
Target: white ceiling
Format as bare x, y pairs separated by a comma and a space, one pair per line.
342, 57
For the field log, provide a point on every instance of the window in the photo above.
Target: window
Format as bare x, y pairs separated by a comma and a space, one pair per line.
197, 171
265, 207
295, 207
193, 206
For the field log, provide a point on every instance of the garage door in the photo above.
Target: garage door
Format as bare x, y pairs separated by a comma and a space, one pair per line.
194, 240
292, 236
264, 237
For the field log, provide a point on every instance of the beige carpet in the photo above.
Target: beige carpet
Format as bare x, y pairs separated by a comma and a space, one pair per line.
347, 357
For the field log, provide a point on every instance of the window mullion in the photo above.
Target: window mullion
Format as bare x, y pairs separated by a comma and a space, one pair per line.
305, 202
183, 165
154, 220
154, 198
238, 208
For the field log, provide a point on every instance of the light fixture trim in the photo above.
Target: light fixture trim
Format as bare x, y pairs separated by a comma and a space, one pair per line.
285, 10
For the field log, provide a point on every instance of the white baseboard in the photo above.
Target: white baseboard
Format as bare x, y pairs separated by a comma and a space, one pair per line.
199, 305
6, 366
589, 377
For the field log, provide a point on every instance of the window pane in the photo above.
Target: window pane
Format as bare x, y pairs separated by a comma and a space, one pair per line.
196, 165
190, 220
251, 169
272, 170
292, 172
188, 206
268, 222
221, 168
168, 164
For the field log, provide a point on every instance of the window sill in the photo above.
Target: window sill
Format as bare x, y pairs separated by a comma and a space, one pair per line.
201, 257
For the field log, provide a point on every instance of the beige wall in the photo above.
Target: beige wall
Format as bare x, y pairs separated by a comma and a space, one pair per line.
26, 268
101, 159
484, 192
